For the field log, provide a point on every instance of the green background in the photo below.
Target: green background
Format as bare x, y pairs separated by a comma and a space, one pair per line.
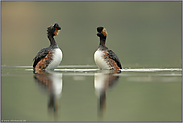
142, 34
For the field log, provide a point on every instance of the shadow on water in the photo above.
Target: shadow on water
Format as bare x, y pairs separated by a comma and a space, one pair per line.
51, 82
102, 81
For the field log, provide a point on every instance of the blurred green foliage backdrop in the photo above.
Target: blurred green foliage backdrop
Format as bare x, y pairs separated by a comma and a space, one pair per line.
142, 34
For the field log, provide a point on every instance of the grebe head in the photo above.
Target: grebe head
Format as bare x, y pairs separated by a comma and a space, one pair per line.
53, 30
102, 33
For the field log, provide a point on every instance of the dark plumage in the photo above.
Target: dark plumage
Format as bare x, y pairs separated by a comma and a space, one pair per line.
113, 56
41, 54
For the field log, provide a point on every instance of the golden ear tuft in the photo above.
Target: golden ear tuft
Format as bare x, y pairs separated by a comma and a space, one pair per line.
56, 32
104, 32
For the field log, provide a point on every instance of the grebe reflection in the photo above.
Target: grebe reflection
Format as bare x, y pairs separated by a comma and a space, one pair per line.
52, 81
103, 80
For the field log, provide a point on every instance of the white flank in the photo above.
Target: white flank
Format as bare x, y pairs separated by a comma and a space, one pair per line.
57, 58
100, 61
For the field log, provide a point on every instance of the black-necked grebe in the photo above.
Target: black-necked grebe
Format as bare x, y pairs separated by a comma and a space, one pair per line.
104, 57
48, 58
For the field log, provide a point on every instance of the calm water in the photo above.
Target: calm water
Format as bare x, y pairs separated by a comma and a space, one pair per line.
84, 93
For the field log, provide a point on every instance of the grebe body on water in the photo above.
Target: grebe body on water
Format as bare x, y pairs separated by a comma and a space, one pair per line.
48, 58
104, 57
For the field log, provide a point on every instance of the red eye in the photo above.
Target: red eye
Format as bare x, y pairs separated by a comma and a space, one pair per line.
56, 28
101, 31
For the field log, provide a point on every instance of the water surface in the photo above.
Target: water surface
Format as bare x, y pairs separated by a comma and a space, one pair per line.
85, 93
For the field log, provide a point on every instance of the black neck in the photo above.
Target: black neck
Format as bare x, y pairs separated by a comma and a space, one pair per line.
52, 40
102, 42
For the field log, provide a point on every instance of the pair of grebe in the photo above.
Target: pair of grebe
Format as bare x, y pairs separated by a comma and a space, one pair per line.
49, 58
